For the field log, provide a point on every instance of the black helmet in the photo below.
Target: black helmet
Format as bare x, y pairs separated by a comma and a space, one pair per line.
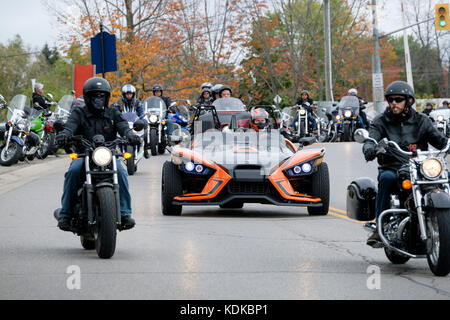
157, 87
445, 102
401, 88
223, 88
91, 88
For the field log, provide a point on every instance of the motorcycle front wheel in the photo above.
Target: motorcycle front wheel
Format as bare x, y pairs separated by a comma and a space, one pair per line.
106, 227
153, 142
131, 167
438, 243
10, 156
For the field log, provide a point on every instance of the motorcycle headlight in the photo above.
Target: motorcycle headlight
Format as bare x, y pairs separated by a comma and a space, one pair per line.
153, 118
338, 117
432, 168
303, 112
347, 113
440, 118
102, 156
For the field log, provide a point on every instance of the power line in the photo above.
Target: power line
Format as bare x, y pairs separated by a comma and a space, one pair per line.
21, 54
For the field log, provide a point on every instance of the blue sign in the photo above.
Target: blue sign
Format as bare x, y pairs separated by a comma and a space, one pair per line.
104, 56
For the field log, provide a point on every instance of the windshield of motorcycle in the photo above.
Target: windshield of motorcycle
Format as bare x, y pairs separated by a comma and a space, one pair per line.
155, 105
19, 107
183, 112
229, 104
349, 102
445, 113
64, 105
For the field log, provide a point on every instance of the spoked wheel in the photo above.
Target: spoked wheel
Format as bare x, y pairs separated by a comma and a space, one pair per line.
44, 148
438, 244
11, 155
106, 227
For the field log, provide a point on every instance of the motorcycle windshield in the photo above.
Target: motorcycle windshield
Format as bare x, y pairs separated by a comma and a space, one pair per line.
183, 113
287, 116
64, 106
445, 113
155, 105
130, 116
229, 104
349, 103
19, 107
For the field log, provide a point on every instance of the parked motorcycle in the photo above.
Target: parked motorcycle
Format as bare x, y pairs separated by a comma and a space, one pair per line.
60, 116
19, 142
96, 213
136, 152
155, 110
418, 223
349, 112
43, 127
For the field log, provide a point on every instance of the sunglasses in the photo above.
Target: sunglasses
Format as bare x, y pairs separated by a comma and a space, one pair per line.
397, 100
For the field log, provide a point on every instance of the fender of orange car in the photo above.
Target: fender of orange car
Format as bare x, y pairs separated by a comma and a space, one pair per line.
281, 182
215, 183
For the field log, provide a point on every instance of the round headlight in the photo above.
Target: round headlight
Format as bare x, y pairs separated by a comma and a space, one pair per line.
297, 169
102, 156
347, 113
338, 117
440, 118
153, 118
306, 167
432, 168
302, 112
189, 166
199, 168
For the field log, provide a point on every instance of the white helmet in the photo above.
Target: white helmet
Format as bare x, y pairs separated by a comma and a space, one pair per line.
128, 88
352, 92
206, 85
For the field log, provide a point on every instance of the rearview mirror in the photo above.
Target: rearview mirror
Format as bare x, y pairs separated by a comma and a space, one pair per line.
50, 96
361, 135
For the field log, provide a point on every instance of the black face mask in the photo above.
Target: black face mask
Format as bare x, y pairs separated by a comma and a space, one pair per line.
98, 102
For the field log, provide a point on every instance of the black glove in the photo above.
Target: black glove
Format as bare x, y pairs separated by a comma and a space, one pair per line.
134, 139
370, 152
61, 139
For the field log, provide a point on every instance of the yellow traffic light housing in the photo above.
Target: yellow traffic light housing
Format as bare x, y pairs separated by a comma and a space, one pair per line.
442, 17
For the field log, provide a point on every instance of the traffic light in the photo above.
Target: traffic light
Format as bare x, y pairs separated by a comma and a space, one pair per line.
442, 18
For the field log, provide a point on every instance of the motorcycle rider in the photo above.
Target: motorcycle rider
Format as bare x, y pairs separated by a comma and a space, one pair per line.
428, 108
362, 117
129, 103
259, 119
225, 92
39, 98
158, 91
205, 98
93, 119
411, 130
306, 101
215, 91
445, 104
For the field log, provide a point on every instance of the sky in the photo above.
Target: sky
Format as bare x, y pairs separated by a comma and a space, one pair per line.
37, 26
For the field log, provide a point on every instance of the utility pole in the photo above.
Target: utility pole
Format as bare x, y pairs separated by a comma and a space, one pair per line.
328, 70
377, 75
409, 75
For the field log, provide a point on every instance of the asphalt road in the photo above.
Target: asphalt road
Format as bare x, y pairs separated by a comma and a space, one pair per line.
258, 252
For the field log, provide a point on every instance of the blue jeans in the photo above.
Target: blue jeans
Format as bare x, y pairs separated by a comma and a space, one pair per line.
73, 182
387, 185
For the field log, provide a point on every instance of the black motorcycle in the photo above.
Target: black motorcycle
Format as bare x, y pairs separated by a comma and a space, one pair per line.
417, 225
96, 214
156, 111
349, 112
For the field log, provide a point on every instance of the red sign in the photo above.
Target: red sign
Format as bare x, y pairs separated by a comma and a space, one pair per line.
81, 73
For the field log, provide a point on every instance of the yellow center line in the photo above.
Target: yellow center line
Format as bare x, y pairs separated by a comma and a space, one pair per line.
342, 215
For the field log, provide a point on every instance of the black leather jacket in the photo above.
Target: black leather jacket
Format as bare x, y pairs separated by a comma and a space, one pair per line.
83, 122
411, 132
42, 101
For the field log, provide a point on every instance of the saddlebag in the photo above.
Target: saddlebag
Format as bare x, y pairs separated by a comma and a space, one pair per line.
361, 194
